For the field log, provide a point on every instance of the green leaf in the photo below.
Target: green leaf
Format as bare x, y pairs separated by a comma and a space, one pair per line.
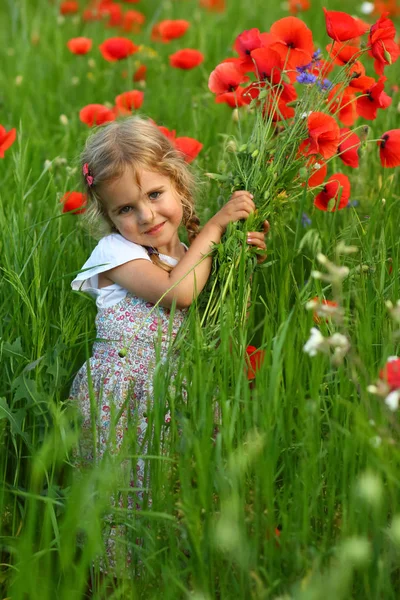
14, 418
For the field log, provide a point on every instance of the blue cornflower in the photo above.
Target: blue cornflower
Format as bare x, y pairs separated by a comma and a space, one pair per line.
305, 220
306, 78
304, 68
352, 203
317, 55
325, 85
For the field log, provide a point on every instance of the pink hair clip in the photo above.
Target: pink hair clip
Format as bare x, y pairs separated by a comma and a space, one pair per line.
89, 178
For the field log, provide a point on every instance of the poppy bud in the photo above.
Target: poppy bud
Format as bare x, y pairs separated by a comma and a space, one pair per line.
387, 56
303, 173
255, 153
122, 353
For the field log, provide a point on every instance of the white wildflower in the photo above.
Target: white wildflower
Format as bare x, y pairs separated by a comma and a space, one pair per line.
316, 342
394, 310
367, 8
392, 400
375, 441
47, 165
369, 488
64, 120
312, 304
92, 63
356, 551
75, 80
342, 248
19, 79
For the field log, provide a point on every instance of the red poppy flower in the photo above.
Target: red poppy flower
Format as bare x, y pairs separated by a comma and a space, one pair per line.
277, 109
342, 27
374, 98
335, 194
186, 58
74, 201
390, 7
268, 64
96, 114
189, 147
133, 21
113, 11
254, 360
69, 8
128, 101
79, 45
389, 150
391, 374
238, 98
169, 133
317, 170
323, 135
168, 30
140, 73
7, 138
295, 44
342, 54
343, 105
226, 77
383, 47
248, 40
359, 82
213, 5
91, 14
296, 6
348, 147
117, 48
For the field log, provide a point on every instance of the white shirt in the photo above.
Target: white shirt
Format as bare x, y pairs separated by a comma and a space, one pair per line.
111, 251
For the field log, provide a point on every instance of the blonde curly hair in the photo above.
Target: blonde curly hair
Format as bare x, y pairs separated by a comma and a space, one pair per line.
138, 143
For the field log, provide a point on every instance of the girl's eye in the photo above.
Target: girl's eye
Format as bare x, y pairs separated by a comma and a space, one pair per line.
154, 195
124, 210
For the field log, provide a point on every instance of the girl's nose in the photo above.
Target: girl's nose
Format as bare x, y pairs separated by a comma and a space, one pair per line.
146, 214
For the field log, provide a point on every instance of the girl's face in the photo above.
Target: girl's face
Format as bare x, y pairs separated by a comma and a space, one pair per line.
148, 214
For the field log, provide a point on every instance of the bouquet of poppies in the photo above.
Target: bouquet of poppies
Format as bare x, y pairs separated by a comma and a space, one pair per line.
303, 104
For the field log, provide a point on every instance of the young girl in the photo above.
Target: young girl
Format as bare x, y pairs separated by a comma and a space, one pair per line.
140, 191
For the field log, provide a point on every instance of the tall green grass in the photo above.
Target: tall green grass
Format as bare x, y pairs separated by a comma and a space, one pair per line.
305, 449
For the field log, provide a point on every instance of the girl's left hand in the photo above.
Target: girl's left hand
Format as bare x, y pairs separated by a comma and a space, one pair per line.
257, 239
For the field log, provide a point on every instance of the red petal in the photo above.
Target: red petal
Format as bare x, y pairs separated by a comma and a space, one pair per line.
341, 27
389, 150
189, 147
186, 58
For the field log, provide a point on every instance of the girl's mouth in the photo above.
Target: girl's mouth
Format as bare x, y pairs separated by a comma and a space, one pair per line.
155, 229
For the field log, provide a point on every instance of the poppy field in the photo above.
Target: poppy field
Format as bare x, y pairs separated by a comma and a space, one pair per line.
276, 475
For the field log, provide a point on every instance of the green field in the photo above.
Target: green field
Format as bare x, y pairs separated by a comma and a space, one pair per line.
285, 488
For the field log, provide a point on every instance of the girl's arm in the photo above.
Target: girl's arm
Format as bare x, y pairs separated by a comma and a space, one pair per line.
188, 278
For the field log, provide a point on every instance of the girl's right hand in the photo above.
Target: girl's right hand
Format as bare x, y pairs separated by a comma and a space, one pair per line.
239, 206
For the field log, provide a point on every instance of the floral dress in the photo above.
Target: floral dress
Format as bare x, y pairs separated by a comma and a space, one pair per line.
114, 390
